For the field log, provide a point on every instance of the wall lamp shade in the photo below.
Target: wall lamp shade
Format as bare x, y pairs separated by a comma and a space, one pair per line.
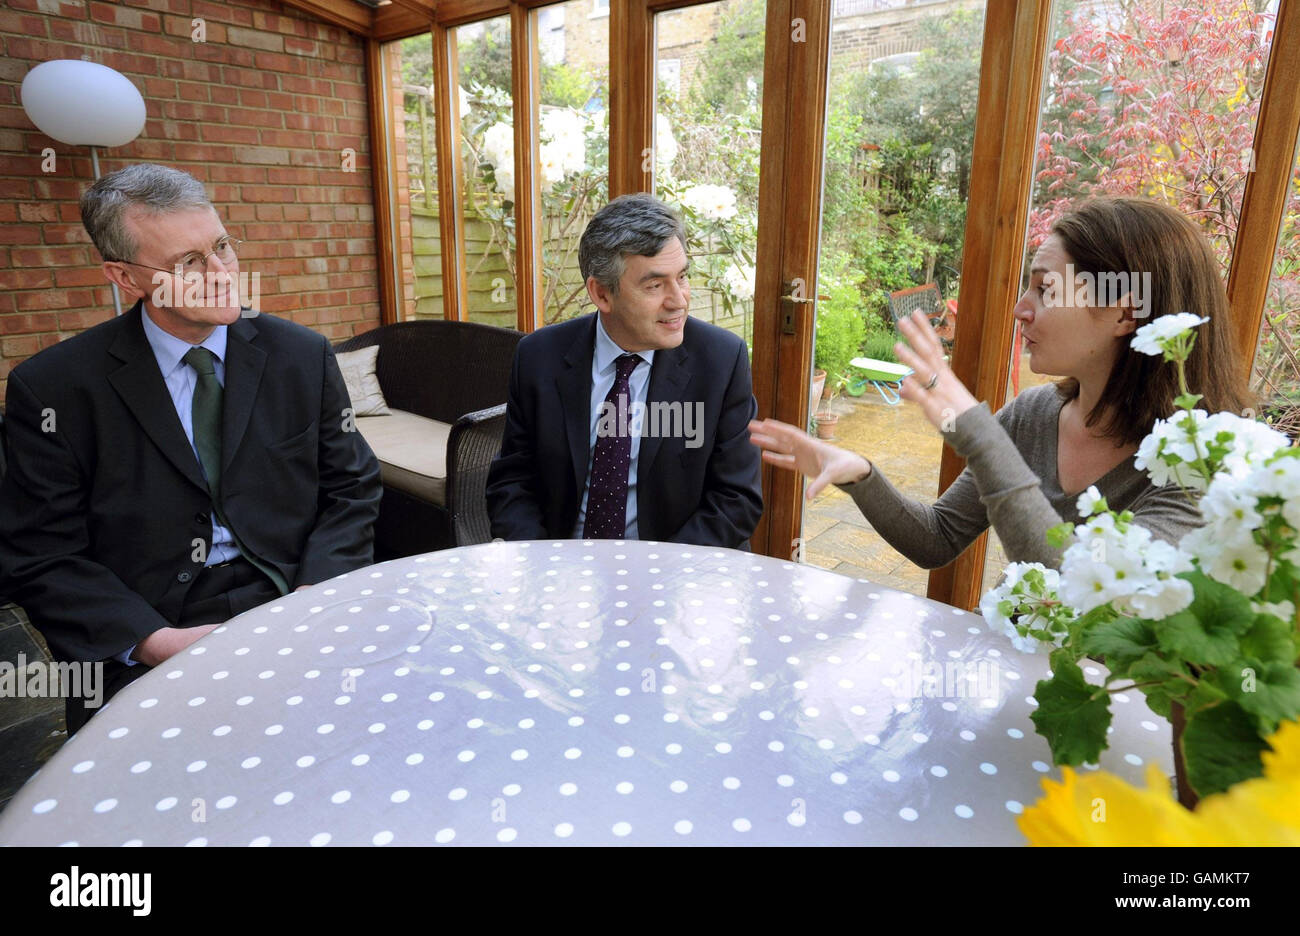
83, 103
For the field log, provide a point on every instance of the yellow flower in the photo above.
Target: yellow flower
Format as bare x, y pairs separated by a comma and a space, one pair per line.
1102, 809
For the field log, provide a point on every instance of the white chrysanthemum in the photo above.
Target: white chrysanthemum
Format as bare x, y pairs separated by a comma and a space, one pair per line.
1152, 338
1089, 501
740, 282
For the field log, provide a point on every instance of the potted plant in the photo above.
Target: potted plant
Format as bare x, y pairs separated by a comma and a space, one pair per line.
827, 419
1207, 629
840, 332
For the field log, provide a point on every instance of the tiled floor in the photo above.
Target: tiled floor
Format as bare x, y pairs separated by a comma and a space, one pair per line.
31, 730
907, 449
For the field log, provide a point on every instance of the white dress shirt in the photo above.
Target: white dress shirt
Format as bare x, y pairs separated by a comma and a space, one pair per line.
603, 372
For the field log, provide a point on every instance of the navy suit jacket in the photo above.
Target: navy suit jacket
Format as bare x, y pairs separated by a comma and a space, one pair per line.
710, 495
99, 516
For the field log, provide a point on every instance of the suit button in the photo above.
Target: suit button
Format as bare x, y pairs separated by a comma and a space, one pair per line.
183, 576
202, 518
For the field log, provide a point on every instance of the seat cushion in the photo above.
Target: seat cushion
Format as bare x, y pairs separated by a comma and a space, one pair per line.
412, 452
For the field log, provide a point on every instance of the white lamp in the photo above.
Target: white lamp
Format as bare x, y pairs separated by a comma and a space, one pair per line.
84, 104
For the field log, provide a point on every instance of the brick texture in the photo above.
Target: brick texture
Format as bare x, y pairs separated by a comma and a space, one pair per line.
260, 112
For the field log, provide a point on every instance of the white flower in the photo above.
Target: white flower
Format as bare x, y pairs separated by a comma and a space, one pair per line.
1229, 509
1282, 609
1156, 336
464, 100
714, 202
499, 148
1165, 559
740, 281
1085, 582
1240, 562
1090, 501
564, 141
665, 145
1161, 599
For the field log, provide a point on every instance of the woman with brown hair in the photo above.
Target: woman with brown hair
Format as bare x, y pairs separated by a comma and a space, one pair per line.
1027, 466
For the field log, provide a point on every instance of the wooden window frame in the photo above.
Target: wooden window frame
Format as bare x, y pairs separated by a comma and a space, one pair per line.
1014, 48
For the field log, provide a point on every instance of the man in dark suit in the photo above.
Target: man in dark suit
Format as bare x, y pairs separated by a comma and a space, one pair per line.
631, 422
181, 463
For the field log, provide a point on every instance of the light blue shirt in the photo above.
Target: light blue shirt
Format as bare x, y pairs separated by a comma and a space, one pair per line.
603, 372
181, 379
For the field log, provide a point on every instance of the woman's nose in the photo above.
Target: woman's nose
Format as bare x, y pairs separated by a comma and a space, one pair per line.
1024, 309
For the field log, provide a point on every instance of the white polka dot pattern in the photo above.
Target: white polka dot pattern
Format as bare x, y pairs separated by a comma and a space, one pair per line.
573, 693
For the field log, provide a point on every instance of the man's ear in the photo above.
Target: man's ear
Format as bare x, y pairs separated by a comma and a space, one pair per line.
116, 273
598, 294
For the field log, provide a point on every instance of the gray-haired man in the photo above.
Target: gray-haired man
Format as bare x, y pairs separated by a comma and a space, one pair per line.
179, 464
630, 423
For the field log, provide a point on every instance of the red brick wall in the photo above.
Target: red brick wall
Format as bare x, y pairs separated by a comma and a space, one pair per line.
260, 112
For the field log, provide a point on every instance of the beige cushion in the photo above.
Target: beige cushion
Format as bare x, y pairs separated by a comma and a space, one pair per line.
412, 452
358, 369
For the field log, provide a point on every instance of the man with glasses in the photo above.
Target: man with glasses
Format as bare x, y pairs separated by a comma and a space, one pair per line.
182, 463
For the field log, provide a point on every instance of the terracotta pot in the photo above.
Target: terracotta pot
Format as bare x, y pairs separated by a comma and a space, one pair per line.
1186, 795
826, 425
818, 384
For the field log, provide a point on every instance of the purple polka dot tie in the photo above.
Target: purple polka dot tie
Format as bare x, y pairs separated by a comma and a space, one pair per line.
607, 490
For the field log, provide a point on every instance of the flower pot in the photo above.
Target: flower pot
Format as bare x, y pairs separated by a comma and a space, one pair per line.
818, 384
826, 425
1186, 795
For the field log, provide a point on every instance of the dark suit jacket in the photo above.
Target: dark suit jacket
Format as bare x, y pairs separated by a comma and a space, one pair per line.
709, 496
99, 517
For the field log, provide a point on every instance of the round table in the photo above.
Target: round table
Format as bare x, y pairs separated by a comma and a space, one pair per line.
571, 692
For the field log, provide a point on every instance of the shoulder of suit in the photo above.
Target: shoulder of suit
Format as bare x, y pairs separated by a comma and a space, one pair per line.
561, 334
282, 329
711, 337
72, 356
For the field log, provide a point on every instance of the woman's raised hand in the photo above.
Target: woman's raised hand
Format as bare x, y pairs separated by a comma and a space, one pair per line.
933, 385
789, 447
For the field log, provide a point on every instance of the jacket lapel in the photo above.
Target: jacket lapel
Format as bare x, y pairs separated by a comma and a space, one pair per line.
574, 385
140, 385
668, 379
244, 364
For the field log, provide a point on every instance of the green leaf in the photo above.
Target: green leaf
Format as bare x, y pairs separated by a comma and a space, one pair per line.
1167, 676
1268, 692
1221, 746
1270, 640
1119, 641
1187, 401
1207, 631
1059, 535
1072, 715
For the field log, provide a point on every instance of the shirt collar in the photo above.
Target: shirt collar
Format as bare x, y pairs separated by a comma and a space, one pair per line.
607, 351
169, 350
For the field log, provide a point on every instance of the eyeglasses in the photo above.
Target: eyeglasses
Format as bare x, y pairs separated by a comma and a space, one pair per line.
226, 250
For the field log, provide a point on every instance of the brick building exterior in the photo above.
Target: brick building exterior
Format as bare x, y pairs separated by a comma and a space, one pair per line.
261, 112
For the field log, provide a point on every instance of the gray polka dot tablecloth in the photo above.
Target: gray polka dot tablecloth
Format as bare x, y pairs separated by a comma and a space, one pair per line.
550, 693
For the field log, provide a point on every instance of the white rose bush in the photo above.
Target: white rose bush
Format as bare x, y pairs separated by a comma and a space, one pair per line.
1207, 626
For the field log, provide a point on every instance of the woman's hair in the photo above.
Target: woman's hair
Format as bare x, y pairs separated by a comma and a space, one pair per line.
1136, 236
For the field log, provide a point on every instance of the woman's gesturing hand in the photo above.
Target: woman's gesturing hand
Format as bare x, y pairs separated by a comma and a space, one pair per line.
933, 385
789, 447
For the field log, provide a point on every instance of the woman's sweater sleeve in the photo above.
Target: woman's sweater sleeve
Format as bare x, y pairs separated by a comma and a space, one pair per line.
997, 487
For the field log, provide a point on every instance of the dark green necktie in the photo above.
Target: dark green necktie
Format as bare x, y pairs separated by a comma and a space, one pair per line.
206, 417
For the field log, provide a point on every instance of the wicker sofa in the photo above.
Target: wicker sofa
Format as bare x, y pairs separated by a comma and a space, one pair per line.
446, 385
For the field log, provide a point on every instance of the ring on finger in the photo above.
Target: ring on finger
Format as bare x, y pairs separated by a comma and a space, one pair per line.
934, 379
